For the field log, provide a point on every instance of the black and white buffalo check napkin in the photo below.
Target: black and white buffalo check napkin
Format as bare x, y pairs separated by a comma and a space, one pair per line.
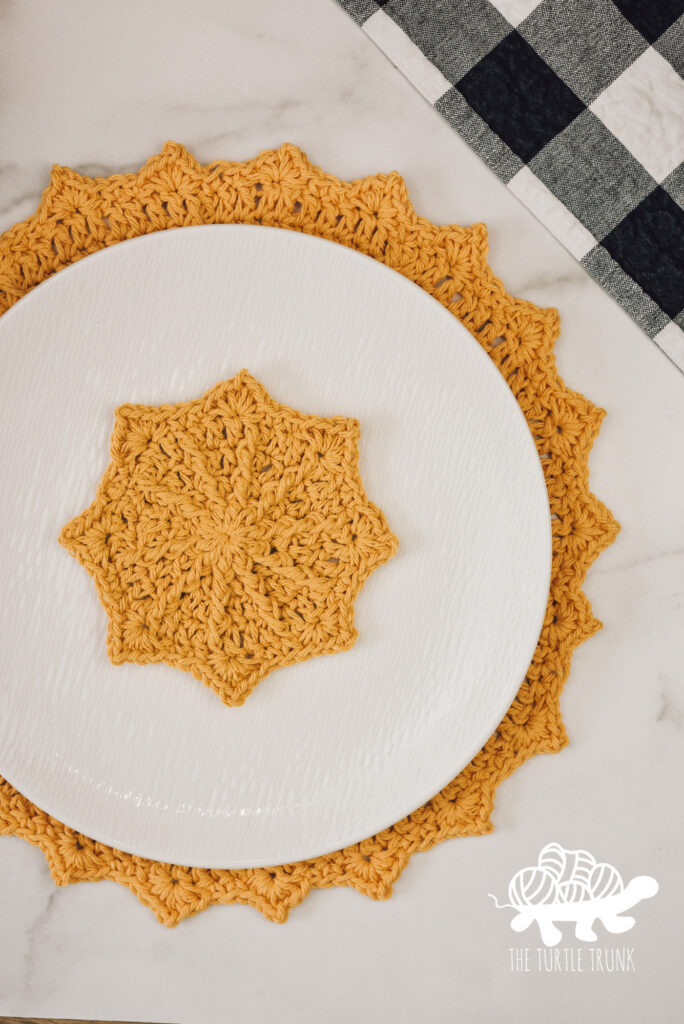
578, 106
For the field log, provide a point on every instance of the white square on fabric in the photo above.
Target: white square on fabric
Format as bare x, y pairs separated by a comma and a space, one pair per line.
644, 108
552, 213
515, 11
406, 56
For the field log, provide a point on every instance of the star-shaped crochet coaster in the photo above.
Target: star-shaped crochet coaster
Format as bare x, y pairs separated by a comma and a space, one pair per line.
230, 536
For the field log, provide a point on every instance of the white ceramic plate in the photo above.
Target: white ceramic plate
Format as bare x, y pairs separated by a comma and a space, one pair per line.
327, 752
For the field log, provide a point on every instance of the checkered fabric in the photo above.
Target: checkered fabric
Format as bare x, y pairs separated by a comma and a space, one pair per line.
578, 106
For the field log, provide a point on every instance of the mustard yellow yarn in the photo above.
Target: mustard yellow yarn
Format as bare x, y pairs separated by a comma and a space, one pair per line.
79, 215
230, 536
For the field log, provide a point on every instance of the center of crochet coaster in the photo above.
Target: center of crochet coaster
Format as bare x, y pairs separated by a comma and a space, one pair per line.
230, 536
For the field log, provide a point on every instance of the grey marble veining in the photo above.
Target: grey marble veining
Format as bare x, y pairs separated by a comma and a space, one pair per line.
103, 93
670, 711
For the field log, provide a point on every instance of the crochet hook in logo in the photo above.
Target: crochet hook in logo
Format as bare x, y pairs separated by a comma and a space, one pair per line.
570, 886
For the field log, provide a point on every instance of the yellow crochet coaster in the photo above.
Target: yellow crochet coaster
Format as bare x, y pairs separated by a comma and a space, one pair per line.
230, 536
280, 188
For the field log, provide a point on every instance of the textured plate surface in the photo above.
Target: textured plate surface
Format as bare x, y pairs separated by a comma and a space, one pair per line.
327, 752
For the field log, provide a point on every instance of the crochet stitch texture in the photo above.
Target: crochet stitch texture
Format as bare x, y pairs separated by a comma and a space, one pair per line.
230, 536
79, 215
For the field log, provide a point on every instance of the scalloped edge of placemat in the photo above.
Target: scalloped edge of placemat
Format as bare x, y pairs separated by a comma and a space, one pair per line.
79, 215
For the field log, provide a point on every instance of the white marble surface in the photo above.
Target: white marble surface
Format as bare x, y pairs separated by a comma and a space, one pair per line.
101, 88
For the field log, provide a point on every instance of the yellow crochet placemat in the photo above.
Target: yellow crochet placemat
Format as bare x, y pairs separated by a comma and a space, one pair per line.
280, 188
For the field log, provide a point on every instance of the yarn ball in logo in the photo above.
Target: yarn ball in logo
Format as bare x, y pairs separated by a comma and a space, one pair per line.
578, 867
552, 859
531, 887
584, 865
605, 880
572, 892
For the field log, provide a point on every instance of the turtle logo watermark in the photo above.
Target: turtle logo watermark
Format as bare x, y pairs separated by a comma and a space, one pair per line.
569, 885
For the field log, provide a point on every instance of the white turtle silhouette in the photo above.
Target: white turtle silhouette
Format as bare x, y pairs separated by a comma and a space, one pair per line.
568, 885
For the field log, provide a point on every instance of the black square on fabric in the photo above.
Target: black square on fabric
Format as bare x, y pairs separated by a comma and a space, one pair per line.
518, 95
651, 17
649, 245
